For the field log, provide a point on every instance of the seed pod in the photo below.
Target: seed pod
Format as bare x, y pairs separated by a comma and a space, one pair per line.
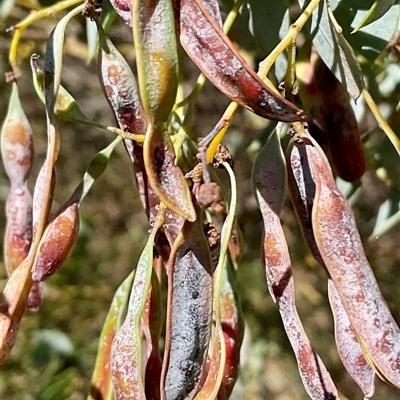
18, 235
302, 191
16, 141
341, 249
213, 52
348, 346
189, 314
56, 243
101, 384
269, 180
332, 119
345, 144
126, 353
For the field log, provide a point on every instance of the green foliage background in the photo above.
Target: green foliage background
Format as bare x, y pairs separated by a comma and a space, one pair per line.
56, 348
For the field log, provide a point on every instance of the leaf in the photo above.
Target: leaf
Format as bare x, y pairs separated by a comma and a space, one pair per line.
189, 313
371, 40
269, 183
213, 52
340, 246
378, 9
101, 384
65, 106
335, 51
388, 215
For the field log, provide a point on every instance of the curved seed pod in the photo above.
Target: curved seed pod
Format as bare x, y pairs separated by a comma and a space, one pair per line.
101, 384
126, 353
120, 88
341, 249
213, 52
189, 314
157, 62
348, 346
269, 180
302, 190
57, 241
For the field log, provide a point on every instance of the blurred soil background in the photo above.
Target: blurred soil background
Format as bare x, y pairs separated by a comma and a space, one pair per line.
56, 347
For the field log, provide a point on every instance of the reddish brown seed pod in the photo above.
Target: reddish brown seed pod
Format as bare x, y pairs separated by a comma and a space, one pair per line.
269, 182
341, 249
213, 52
332, 120
348, 346
56, 243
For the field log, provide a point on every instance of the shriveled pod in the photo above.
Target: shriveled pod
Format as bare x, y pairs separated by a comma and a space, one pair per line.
212, 51
189, 314
56, 243
269, 181
348, 346
341, 249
